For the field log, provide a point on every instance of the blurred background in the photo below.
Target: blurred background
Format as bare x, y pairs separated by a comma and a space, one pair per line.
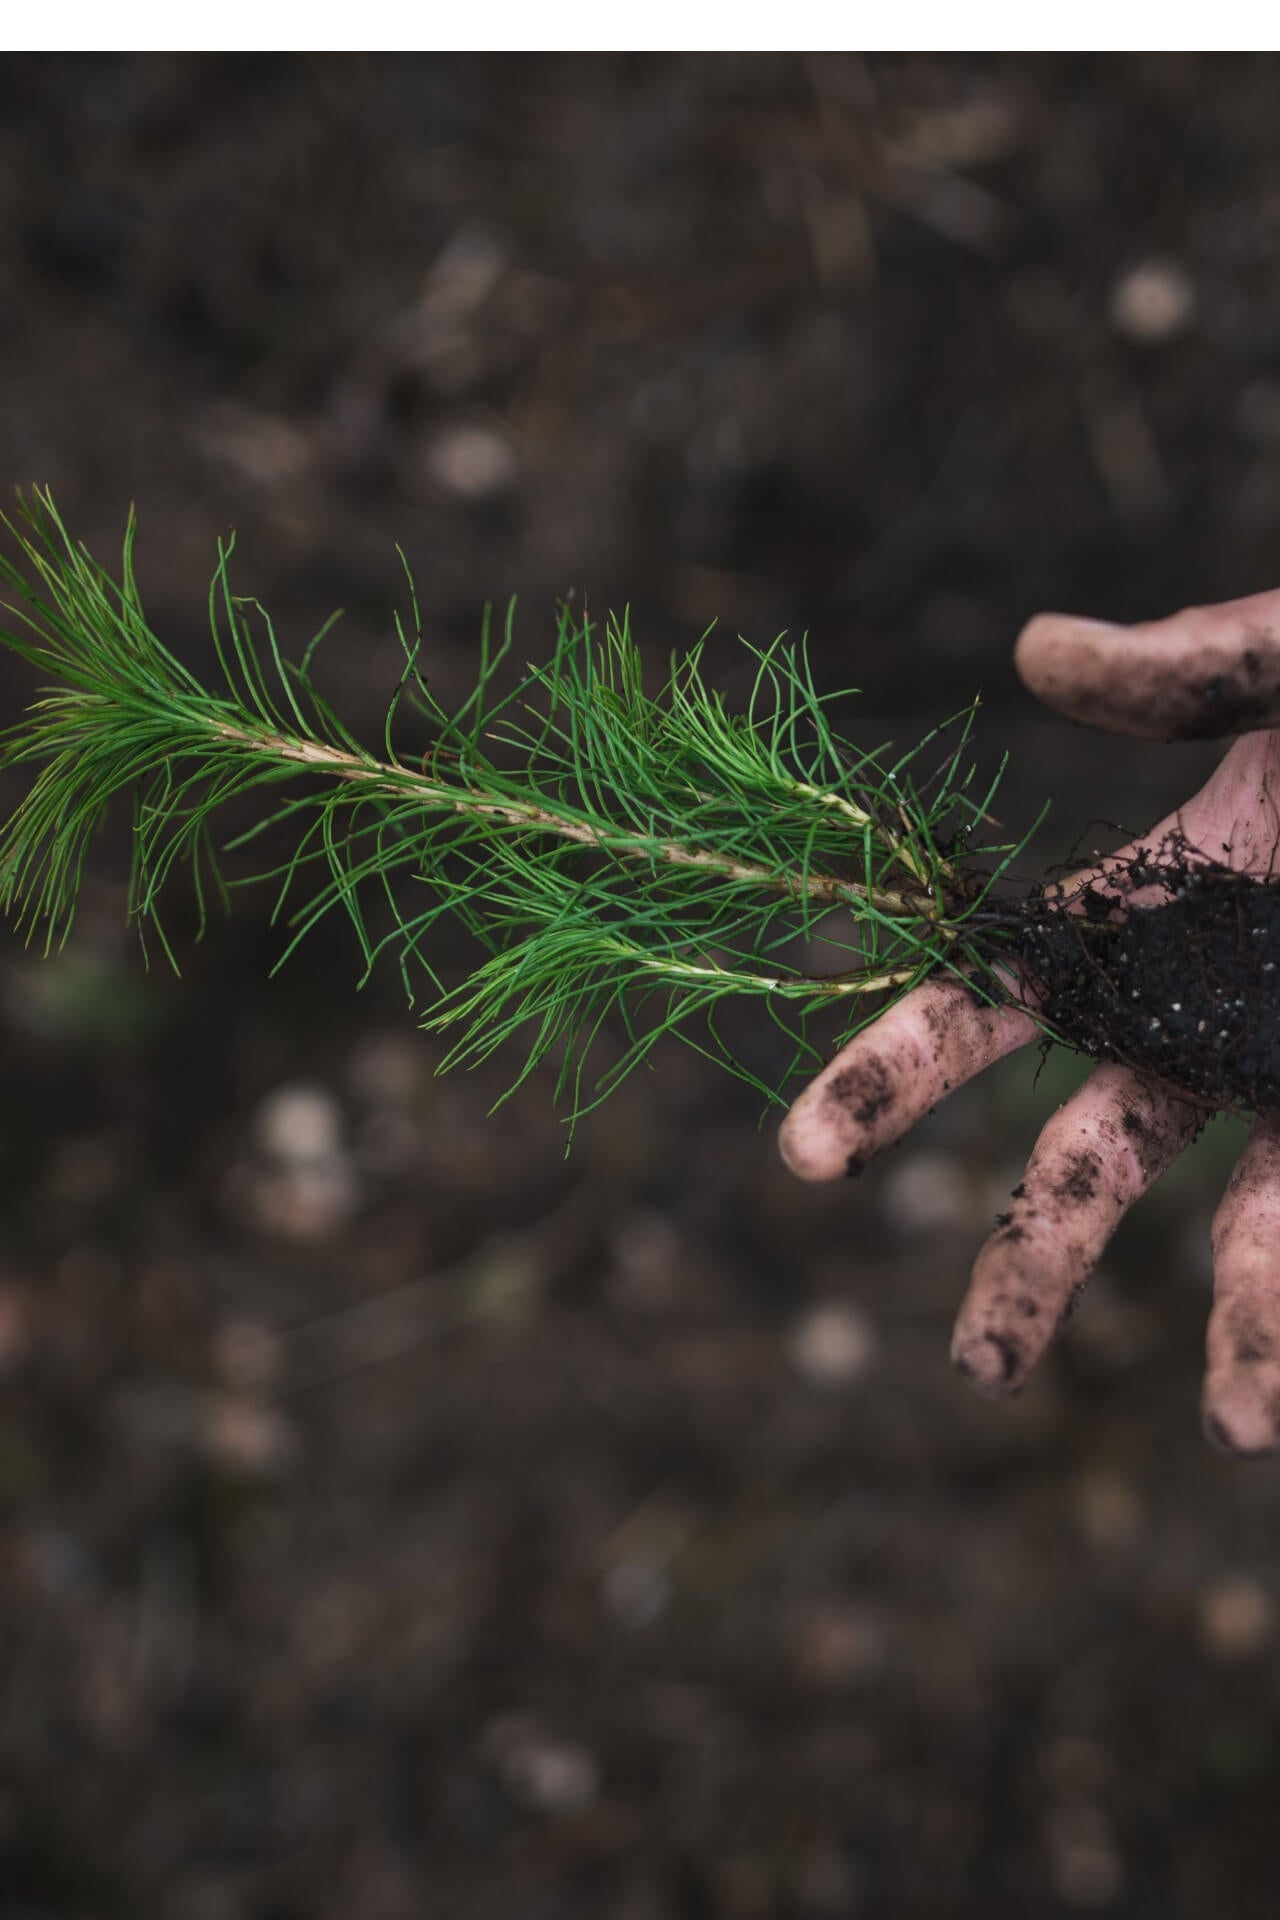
397, 1518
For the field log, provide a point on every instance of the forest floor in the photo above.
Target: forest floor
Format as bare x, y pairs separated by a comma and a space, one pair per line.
397, 1518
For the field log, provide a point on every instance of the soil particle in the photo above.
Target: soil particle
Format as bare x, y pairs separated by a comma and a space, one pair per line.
1218, 695
1185, 990
939, 1016
864, 1090
1079, 1180
1252, 1343
1071, 1302
1239, 700
953, 1011
1156, 1137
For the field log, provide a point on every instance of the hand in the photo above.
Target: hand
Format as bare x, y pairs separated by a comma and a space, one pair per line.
1203, 673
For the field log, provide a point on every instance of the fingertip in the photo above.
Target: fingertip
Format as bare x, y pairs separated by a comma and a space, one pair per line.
1037, 639
811, 1149
1047, 651
1240, 1422
992, 1361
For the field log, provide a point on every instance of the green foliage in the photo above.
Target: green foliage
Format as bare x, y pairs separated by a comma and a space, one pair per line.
613, 851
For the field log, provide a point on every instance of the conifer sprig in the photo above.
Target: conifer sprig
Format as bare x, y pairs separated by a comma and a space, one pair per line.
614, 851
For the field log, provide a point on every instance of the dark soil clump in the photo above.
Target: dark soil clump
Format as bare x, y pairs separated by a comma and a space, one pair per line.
1185, 989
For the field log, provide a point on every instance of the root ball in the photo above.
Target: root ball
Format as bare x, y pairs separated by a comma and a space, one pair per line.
1186, 989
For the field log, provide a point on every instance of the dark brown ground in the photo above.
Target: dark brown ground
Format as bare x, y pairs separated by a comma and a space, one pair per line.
395, 1519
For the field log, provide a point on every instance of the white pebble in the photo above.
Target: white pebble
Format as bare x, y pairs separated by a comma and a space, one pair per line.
1153, 302
305, 1201
928, 1192
298, 1124
305, 1185
1236, 1617
831, 1344
473, 462
541, 1770
243, 1436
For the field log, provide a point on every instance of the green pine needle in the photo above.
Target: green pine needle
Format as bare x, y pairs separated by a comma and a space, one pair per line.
614, 852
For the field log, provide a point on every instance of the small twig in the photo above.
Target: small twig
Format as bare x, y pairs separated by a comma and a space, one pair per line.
723, 837
826, 887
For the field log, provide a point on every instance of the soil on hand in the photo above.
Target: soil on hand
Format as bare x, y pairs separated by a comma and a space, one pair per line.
1185, 989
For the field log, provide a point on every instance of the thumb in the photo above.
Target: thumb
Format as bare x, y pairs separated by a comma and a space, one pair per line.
1199, 675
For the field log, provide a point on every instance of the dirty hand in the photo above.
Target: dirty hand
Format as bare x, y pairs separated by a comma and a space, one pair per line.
1201, 674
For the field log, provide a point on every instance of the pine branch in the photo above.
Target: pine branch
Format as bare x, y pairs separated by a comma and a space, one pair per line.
612, 851
380, 777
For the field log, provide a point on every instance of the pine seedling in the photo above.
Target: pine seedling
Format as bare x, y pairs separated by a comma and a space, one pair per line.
620, 856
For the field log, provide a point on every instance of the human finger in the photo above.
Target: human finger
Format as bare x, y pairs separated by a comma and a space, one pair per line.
1098, 1153
1198, 675
1234, 818
891, 1074
938, 1037
1242, 1383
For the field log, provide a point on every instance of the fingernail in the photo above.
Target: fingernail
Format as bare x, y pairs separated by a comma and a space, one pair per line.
994, 1362
1248, 1432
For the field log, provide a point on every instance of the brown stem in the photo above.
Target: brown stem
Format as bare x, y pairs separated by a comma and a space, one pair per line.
522, 813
